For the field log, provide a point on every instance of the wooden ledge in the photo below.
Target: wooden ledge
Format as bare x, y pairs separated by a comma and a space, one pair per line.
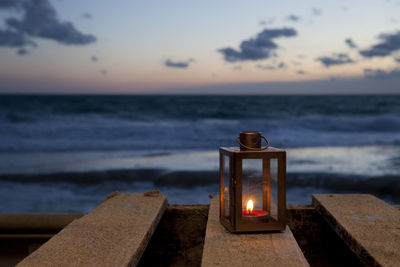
368, 225
222, 248
113, 234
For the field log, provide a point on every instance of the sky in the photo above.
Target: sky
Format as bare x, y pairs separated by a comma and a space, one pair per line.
200, 47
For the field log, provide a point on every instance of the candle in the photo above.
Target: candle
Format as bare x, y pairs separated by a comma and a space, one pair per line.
250, 212
254, 213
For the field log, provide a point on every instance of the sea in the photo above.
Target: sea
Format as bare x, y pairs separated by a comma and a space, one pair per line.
66, 153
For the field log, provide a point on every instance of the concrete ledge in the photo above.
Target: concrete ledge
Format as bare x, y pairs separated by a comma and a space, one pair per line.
114, 234
368, 225
222, 248
25, 223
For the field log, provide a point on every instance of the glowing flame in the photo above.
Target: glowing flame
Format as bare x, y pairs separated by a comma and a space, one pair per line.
249, 207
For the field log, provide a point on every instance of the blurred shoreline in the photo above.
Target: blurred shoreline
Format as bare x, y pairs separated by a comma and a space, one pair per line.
72, 192
384, 185
66, 153
364, 160
188, 177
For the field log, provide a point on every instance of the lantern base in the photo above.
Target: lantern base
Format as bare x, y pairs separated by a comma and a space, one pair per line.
254, 224
254, 213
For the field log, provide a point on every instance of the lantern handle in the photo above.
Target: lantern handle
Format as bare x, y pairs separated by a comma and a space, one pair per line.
253, 148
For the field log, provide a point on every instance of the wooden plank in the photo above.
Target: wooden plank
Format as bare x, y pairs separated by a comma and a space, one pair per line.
223, 248
368, 225
113, 234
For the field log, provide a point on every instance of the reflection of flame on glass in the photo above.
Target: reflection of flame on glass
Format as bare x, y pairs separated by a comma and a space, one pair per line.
226, 189
249, 207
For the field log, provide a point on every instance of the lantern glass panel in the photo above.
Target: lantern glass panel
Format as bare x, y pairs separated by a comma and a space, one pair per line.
274, 188
226, 182
252, 185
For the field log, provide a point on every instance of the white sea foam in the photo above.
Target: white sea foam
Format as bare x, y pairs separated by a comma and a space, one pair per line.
344, 141
363, 161
53, 196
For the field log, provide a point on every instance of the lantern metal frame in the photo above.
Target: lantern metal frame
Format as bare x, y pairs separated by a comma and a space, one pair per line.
235, 222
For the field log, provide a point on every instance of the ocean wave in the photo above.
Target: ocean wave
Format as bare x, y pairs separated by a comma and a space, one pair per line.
16, 117
98, 123
377, 123
386, 186
193, 107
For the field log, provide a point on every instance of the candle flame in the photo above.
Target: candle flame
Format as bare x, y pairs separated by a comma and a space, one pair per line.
249, 207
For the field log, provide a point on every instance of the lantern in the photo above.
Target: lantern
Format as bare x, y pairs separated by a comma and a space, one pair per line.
252, 185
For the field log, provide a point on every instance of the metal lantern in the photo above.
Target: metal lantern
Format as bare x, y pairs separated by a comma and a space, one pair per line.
252, 185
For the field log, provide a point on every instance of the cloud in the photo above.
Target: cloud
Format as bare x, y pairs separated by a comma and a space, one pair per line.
389, 43
293, 18
336, 59
87, 16
381, 74
350, 43
104, 71
237, 68
14, 39
316, 11
260, 47
268, 21
39, 20
282, 65
10, 3
22, 52
94, 58
300, 72
265, 67
176, 64
397, 59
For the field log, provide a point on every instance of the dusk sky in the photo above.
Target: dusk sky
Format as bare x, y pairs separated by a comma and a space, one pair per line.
221, 47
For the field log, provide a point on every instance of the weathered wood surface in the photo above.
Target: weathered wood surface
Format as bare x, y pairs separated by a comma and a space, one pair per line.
368, 225
113, 234
222, 248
